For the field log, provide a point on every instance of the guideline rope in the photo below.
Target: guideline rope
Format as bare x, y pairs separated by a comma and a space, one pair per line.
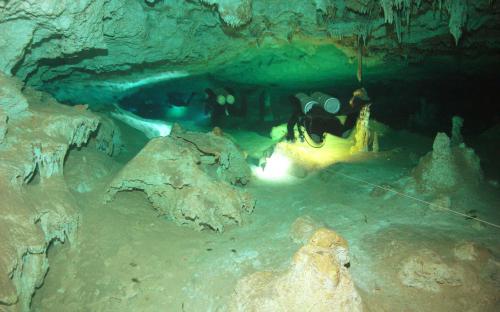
418, 199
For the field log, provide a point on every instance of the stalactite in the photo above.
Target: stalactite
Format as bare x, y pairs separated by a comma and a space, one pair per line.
458, 17
387, 6
396, 10
397, 22
359, 73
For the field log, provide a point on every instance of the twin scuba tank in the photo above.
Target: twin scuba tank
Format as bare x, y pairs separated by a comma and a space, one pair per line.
318, 99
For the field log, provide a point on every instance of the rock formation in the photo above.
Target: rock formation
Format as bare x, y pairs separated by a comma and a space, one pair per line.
190, 178
447, 168
472, 269
53, 44
426, 270
317, 280
36, 208
456, 130
361, 132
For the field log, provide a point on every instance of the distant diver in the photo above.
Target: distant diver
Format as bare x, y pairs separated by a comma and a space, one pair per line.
317, 114
218, 103
150, 127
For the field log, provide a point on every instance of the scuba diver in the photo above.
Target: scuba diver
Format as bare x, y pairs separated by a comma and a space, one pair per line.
317, 114
218, 103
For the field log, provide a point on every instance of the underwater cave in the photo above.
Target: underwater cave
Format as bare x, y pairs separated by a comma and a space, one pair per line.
249, 155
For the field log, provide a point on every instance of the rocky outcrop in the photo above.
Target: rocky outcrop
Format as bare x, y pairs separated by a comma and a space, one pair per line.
36, 209
188, 177
317, 280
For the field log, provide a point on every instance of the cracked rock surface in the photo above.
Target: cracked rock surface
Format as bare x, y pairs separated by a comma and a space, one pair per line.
190, 178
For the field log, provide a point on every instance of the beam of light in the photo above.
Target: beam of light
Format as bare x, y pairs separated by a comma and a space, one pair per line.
150, 127
334, 150
276, 169
131, 84
176, 112
163, 129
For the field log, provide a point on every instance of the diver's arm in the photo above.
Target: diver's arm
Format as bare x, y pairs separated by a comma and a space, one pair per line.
294, 119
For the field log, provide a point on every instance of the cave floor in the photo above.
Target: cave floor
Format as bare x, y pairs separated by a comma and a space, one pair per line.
129, 259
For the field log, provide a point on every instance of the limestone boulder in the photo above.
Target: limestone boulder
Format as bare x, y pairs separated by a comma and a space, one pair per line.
188, 178
231, 164
317, 280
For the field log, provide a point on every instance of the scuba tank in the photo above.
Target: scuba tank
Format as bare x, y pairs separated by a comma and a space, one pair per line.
329, 103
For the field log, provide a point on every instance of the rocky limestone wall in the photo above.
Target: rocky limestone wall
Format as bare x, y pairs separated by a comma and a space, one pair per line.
98, 41
36, 207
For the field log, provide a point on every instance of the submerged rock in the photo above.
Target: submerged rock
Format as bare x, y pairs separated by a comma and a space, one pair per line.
317, 280
446, 168
187, 177
427, 271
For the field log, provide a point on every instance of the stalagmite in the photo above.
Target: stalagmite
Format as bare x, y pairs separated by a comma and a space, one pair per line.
456, 130
362, 132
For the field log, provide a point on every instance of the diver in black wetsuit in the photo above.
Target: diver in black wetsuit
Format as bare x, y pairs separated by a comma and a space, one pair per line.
219, 104
317, 114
